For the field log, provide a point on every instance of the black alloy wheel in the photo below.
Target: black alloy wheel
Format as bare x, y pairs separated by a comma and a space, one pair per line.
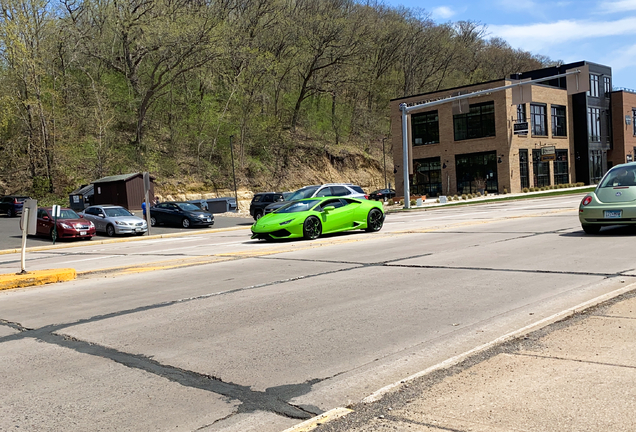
10, 212
312, 228
258, 214
110, 230
591, 229
153, 221
185, 223
375, 220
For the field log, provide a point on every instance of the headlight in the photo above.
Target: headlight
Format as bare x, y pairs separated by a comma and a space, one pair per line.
121, 223
286, 222
202, 216
65, 226
91, 224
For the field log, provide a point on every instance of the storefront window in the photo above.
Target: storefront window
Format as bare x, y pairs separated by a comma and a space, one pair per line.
427, 177
561, 168
541, 169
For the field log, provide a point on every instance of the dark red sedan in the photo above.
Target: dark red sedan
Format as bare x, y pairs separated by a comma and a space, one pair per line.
69, 225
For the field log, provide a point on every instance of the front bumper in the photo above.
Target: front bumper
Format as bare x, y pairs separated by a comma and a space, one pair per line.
123, 229
75, 233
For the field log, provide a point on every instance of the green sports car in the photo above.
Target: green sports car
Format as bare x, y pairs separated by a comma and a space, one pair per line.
311, 217
613, 202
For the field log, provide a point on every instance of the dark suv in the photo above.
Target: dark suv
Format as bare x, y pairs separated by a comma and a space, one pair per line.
262, 200
12, 204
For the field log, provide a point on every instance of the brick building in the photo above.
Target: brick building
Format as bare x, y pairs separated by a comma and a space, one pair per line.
623, 150
465, 147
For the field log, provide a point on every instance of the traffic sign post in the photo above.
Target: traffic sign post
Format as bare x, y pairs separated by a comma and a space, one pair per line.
28, 225
56, 210
146, 193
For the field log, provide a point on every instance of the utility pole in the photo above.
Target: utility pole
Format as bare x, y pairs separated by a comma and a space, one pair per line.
233, 175
384, 156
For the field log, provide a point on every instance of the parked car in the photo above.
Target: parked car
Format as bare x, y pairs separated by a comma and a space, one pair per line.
329, 189
382, 194
69, 224
262, 200
180, 213
114, 220
310, 218
613, 202
12, 204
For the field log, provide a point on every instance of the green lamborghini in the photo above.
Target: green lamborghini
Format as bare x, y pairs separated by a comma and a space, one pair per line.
310, 218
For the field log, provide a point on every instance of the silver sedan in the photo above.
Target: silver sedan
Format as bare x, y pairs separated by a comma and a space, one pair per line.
114, 220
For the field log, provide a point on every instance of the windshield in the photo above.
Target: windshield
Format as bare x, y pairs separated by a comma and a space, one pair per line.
188, 207
297, 207
117, 211
306, 192
68, 214
620, 176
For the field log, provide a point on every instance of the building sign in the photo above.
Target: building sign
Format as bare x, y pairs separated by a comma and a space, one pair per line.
548, 153
520, 128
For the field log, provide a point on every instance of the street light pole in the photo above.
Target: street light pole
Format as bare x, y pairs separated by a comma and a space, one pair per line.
384, 156
233, 175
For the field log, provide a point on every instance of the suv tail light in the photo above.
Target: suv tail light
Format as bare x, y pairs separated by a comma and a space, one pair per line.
366, 196
15, 201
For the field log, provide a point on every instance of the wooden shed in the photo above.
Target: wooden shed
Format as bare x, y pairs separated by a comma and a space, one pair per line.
126, 190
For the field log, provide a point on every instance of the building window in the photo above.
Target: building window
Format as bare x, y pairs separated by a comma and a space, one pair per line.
521, 113
596, 165
425, 128
476, 171
607, 84
593, 86
561, 168
538, 117
479, 122
541, 169
523, 168
427, 177
594, 124
558, 121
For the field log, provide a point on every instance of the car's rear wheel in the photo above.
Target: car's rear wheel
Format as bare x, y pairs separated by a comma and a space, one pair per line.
312, 228
110, 230
375, 220
10, 213
258, 214
591, 229
185, 223
153, 221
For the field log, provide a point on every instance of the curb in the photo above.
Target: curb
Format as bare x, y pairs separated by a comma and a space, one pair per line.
36, 277
314, 422
119, 240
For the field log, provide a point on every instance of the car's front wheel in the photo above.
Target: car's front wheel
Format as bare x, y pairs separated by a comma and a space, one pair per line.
110, 230
185, 223
258, 214
153, 221
10, 213
591, 229
375, 220
312, 228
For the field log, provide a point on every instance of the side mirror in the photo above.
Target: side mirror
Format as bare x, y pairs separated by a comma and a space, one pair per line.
45, 217
132, 213
81, 216
328, 208
101, 215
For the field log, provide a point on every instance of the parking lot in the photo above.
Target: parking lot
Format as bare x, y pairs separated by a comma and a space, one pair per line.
11, 235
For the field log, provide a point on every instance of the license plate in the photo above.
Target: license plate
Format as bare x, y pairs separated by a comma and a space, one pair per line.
138, 229
613, 214
82, 232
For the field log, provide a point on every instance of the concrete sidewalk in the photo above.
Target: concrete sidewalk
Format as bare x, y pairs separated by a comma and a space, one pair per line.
578, 374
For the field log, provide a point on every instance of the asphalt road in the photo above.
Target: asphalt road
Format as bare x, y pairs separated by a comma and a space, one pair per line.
217, 332
11, 235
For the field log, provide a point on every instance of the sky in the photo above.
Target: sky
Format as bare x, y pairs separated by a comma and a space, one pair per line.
601, 31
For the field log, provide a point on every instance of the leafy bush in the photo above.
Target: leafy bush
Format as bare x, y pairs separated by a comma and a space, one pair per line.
525, 190
485, 193
579, 184
413, 202
464, 196
505, 191
455, 197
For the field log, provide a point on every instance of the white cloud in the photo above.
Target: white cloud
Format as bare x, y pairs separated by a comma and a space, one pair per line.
538, 37
612, 6
622, 58
443, 12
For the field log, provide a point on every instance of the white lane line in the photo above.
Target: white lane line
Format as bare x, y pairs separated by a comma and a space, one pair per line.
91, 259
